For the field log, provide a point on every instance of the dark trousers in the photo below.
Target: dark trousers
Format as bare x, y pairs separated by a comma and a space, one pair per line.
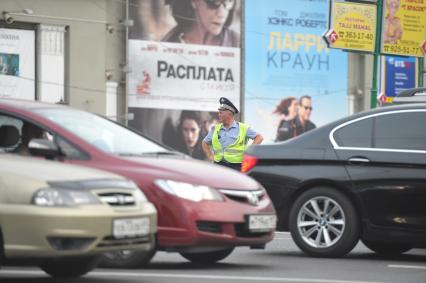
235, 166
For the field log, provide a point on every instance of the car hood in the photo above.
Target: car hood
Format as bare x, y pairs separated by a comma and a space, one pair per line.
195, 172
48, 171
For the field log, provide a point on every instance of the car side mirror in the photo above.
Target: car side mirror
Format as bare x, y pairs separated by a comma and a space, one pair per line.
43, 148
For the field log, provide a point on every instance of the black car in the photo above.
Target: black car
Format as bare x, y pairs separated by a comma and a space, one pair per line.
361, 177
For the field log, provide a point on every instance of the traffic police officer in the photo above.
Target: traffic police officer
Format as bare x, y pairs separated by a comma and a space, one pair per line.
229, 138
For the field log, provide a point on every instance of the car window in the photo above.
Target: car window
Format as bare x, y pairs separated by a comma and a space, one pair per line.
401, 131
357, 134
5, 142
15, 134
102, 133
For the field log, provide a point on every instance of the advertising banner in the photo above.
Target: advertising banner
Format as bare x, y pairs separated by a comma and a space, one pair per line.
398, 74
285, 59
182, 77
353, 26
404, 27
17, 63
183, 56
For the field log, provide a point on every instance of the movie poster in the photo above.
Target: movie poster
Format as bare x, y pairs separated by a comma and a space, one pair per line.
285, 59
17, 63
183, 56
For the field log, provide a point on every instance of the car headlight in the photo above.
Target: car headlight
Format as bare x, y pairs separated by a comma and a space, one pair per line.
139, 196
63, 197
189, 191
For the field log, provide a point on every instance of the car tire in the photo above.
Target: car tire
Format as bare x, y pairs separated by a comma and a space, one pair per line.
386, 249
70, 267
324, 223
127, 259
207, 257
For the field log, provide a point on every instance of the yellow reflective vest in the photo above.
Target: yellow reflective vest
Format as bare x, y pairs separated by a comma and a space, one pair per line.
233, 153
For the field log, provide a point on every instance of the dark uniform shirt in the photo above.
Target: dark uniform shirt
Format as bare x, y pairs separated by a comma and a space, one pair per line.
293, 128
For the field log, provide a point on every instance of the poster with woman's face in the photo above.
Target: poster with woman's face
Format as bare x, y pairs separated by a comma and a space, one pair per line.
287, 59
182, 130
205, 22
183, 56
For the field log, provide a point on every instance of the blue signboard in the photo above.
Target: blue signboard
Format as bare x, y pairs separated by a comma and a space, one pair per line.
285, 56
400, 74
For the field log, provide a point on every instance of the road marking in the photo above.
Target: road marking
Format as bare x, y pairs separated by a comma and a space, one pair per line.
282, 238
407, 266
192, 276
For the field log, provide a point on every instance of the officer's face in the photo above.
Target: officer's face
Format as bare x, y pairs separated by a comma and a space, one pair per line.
190, 132
225, 115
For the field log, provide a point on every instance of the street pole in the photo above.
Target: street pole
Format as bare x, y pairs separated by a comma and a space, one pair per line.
376, 54
421, 71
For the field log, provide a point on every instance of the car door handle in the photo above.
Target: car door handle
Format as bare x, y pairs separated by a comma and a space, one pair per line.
358, 160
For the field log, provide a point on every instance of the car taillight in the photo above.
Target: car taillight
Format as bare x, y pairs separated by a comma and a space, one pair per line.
248, 163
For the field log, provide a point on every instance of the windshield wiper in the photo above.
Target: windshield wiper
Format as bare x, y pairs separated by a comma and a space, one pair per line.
163, 153
153, 153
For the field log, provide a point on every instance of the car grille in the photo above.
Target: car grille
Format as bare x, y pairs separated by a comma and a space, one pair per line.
110, 241
208, 226
250, 197
117, 199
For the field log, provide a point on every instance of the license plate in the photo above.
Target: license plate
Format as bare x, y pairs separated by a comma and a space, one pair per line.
130, 228
262, 222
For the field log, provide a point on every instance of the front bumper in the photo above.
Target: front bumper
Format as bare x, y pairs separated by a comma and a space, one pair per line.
31, 231
212, 225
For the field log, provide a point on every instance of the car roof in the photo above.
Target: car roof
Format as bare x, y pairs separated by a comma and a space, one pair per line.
388, 108
412, 92
412, 95
29, 104
368, 112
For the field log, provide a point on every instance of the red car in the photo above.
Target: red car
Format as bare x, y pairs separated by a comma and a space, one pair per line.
204, 210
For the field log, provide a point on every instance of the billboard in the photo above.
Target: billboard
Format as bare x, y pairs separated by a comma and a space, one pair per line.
404, 27
183, 56
354, 25
398, 74
17, 63
285, 58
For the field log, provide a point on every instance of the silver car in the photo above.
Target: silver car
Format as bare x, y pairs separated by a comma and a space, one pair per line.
63, 216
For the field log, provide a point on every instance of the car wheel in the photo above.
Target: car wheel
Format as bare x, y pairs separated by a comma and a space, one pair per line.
208, 257
324, 223
70, 267
386, 249
127, 259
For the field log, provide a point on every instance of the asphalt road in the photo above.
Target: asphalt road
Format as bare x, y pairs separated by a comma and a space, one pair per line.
280, 262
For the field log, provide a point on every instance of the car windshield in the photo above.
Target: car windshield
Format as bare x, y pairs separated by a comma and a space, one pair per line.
102, 133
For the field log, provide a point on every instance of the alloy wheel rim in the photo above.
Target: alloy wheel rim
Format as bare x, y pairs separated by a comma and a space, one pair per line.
321, 222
